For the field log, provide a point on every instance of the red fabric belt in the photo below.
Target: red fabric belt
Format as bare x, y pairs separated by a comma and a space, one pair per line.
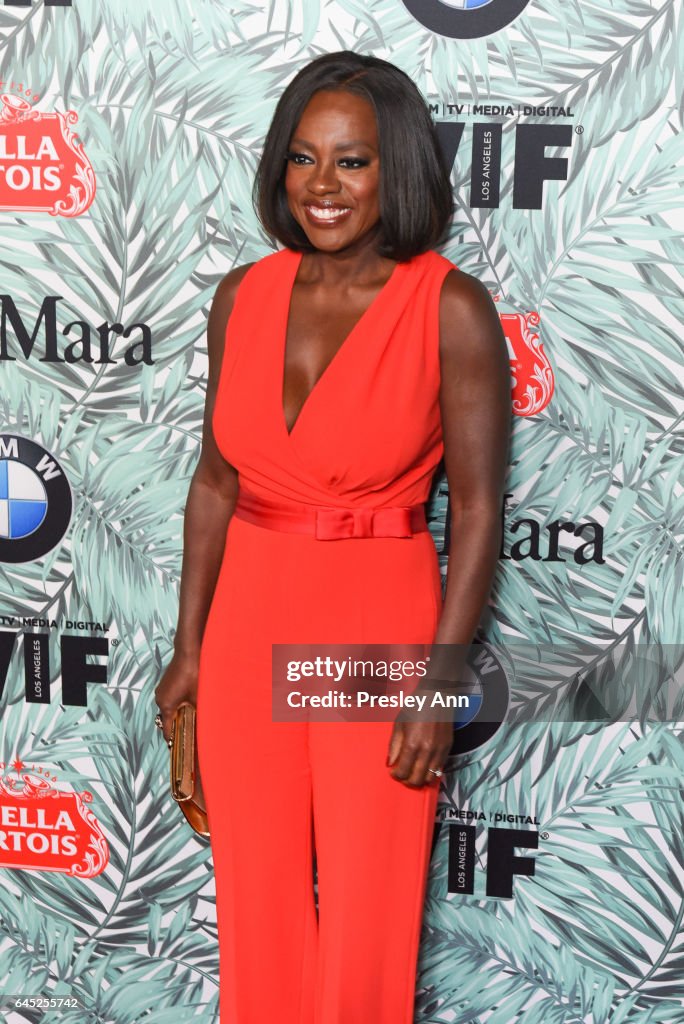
331, 523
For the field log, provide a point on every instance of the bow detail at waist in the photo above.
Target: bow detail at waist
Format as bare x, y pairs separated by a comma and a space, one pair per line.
331, 522
338, 523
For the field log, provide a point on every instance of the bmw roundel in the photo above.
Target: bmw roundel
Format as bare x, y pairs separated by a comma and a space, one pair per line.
487, 704
35, 500
466, 5
465, 19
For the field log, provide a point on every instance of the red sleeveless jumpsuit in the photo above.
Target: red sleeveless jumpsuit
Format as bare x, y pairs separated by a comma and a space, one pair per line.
369, 434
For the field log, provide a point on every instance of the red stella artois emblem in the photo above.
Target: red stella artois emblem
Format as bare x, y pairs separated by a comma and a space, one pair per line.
531, 371
42, 163
48, 829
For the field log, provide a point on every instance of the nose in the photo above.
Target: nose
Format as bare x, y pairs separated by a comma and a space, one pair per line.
323, 178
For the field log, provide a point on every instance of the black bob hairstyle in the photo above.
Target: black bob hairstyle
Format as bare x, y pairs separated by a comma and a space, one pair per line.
414, 194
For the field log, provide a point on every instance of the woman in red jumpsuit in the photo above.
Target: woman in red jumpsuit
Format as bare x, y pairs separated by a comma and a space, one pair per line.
343, 367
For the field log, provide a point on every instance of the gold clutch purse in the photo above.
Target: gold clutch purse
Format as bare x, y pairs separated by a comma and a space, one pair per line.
184, 767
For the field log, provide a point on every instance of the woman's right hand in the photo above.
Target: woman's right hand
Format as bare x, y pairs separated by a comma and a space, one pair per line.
178, 683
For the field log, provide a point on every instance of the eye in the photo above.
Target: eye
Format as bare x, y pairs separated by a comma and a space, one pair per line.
296, 158
349, 162
354, 162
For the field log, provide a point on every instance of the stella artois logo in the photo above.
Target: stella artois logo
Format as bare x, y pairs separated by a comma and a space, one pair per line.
42, 163
45, 828
531, 372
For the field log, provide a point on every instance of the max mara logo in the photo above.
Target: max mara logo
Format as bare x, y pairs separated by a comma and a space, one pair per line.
89, 345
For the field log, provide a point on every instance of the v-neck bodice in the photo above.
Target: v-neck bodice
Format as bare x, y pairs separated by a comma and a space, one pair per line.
373, 309
369, 432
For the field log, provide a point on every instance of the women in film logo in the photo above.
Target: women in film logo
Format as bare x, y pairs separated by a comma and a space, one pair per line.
35, 500
43, 166
465, 19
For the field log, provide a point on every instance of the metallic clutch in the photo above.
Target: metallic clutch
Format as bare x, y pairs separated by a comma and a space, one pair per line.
184, 767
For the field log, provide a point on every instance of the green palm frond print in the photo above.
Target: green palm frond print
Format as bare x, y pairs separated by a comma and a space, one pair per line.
572, 908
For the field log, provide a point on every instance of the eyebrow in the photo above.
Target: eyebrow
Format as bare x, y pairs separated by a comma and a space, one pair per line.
340, 145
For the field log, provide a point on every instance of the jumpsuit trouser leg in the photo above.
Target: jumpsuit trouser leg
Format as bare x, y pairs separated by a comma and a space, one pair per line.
373, 837
258, 794
322, 786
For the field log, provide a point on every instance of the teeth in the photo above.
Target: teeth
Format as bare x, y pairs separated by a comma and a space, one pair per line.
327, 214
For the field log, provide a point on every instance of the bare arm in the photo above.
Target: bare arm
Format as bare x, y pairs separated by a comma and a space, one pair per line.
210, 503
475, 401
212, 494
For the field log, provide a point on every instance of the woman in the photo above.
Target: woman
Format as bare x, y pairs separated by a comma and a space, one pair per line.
341, 368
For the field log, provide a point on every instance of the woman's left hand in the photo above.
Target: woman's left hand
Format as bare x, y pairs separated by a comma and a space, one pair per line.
415, 747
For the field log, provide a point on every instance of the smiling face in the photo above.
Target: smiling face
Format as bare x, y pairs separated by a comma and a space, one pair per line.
333, 171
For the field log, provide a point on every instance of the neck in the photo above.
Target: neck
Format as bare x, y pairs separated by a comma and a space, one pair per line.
354, 264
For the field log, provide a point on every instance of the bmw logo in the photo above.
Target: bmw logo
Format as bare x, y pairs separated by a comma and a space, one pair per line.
35, 500
488, 700
465, 19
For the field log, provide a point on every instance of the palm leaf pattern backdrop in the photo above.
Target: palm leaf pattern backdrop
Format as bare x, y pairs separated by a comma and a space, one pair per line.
173, 100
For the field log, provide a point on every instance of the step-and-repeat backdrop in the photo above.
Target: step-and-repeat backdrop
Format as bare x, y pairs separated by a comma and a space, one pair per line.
129, 135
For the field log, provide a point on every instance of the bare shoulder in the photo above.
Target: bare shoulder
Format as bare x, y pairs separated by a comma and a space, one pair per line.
460, 289
224, 296
469, 321
221, 308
